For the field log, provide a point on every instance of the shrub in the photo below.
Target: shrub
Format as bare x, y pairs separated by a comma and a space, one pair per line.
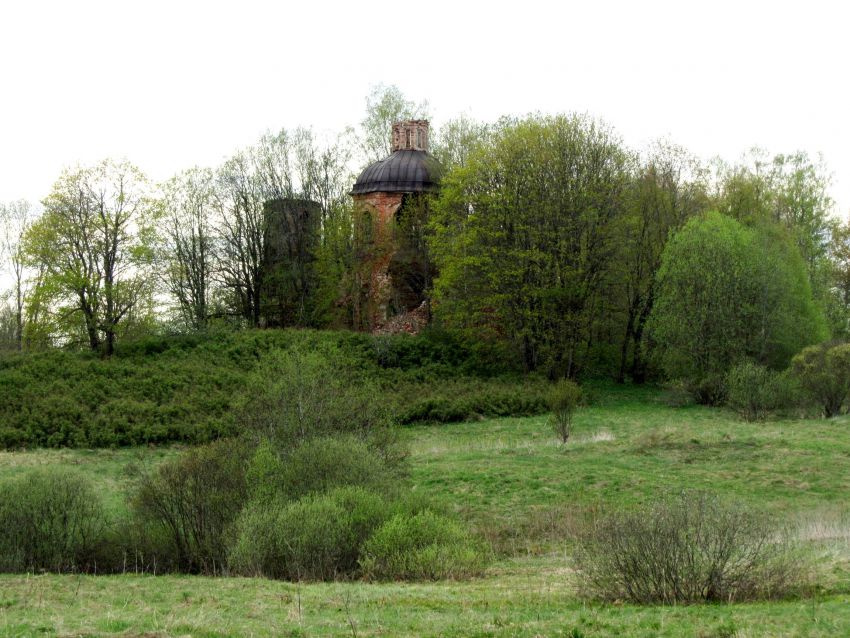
324, 463
318, 537
824, 373
463, 398
306, 395
264, 472
753, 391
316, 466
195, 498
709, 389
564, 398
190, 388
422, 546
49, 519
683, 549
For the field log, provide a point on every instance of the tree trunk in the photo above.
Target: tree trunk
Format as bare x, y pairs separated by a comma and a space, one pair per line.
624, 350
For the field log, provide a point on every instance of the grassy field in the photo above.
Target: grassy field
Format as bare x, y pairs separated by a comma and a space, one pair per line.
527, 494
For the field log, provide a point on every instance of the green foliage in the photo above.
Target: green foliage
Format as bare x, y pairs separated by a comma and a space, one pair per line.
50, 519
264, 472
824, 372
195, 498
755, 391
386, 105
727, 292
564, 399
188, 388
301, 396
788, 189
321, 464
94, 249
523, 234
669, 188
315, 538
447, 401
422, 546
685, 548
457, 139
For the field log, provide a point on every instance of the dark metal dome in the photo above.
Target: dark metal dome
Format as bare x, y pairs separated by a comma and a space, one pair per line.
404, 171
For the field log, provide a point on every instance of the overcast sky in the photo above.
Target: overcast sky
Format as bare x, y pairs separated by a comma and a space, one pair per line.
174, 84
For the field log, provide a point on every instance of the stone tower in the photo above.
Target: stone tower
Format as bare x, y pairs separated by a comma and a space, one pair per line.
392, 270
289, 278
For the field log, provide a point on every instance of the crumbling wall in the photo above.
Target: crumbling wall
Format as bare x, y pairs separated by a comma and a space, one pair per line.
289, 280
392, 270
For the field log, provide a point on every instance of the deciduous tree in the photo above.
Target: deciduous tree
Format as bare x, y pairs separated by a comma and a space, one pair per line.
386, 105
15, 220
525, 236
669, 188
188, 251
727, 293
95, 243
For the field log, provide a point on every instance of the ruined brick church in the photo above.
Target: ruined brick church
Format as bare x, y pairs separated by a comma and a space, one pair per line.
386, 291
392, 270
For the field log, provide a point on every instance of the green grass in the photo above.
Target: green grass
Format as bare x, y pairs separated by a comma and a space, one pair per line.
628, 448
534, 600
513, 482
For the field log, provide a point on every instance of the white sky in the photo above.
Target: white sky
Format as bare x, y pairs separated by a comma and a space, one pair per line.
173, 84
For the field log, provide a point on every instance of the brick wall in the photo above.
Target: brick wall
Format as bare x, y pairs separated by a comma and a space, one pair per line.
410, 135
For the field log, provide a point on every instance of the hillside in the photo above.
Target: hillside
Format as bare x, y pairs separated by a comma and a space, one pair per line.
188, 388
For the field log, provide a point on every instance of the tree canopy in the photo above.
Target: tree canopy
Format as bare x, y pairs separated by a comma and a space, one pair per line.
727, 292
524, 236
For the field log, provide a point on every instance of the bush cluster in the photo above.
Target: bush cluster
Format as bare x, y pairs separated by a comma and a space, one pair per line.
817, 381
193, 500
421, 546
187, 389
194, 514
316, 472
317, 537
824, 373
448, 401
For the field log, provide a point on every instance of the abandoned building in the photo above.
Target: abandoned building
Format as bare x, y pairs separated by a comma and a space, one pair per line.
393, 272
289, 279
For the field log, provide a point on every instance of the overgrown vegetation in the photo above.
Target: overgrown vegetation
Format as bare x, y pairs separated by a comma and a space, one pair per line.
559, 252
49, 520
824, 372
686, 548
192, 388
528, 497
316, 469
755, 391
421, 546
194, 499
317, 537
726, 293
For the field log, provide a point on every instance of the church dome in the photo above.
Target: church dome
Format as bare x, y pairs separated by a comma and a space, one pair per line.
405, 171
